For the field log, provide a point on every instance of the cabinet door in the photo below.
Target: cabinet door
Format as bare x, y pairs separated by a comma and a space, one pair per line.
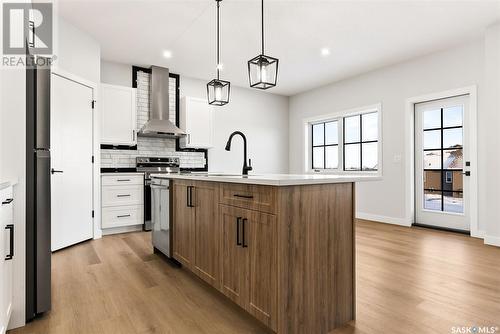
234, 259
261, 245
196, 120
206, 258
183, 224
118, 115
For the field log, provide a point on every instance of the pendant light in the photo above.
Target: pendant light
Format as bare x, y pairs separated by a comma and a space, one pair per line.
218, 90
263, 70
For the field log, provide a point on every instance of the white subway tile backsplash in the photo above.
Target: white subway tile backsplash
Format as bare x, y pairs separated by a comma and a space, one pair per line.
160, 147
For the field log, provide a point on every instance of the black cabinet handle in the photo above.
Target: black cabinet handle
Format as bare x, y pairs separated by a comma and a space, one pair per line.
238, 242
122, 216
11, 248
7, 201
53, 171
243, 196
190, 196
128, 195
123, 180
244, 245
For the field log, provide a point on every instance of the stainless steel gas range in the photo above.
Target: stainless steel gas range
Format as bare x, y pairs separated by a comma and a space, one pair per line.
154, 165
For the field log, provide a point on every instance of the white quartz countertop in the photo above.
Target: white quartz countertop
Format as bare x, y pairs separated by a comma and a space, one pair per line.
122, 173
270, 179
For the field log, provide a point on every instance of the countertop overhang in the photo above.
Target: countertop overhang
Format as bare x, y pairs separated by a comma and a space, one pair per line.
271, 179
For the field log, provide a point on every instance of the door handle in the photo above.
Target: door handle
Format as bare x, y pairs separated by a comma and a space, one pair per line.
7, 201
10, 256
244, 245
238, 242
188, 197
467, 173
53, 171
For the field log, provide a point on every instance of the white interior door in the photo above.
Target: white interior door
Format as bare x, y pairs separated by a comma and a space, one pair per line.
71, 150
442, 161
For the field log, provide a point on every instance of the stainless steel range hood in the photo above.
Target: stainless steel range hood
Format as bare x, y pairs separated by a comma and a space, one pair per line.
159, 124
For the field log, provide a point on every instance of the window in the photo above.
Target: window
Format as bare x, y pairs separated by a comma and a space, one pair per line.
325, 145
348, 143
361, 142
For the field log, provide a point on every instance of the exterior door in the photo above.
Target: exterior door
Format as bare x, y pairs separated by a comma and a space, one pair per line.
442, 163
71, 134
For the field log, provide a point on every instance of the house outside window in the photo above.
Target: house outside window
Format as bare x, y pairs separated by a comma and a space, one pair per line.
344, 142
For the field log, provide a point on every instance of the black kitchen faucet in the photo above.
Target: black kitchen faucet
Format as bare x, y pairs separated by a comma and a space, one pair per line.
246, 167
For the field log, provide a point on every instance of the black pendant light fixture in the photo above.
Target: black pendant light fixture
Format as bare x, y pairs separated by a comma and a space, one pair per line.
263, 70
218, 90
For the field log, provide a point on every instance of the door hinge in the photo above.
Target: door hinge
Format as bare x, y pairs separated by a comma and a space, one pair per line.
92, 159
93, 104
92, 213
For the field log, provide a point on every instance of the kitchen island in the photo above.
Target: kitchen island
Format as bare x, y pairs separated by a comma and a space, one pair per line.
279, 246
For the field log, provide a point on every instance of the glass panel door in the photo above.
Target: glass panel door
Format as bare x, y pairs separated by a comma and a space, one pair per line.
440, 152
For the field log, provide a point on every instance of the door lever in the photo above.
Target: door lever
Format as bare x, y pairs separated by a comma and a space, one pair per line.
53, 171
467, 173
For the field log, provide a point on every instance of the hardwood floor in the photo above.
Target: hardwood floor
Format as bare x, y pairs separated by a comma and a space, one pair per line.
408, 281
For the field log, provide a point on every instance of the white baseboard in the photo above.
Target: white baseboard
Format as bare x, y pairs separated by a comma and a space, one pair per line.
384, 219
123, 229
478, 234
491, 240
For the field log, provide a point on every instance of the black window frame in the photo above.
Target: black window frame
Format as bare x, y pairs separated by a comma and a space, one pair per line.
443, 192
360, 142
324, 145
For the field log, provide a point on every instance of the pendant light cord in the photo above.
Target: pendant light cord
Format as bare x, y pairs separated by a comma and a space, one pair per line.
218, 3
262, 23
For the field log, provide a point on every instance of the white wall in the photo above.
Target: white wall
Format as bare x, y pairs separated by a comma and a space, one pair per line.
116, 73
76, 51
262, 117
489, 136
392, 86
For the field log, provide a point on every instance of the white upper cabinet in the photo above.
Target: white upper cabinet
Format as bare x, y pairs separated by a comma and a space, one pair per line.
118, 115
196, 118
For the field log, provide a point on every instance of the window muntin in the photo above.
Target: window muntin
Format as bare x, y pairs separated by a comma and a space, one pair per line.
361, 142
358, 134
325, 145
443, 159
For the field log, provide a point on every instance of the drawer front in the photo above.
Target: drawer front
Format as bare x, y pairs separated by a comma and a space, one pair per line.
249, 196
7, 209
122, 195
122, 179
122, 216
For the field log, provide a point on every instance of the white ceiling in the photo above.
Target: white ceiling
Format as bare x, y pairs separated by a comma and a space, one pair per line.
361, 35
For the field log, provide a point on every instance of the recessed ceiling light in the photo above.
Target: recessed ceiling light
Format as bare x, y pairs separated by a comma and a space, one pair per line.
325, 51
167, 54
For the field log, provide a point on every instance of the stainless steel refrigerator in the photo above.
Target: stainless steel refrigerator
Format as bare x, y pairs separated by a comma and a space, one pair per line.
38, 174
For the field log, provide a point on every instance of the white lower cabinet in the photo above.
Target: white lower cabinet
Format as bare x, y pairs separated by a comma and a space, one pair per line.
7, 255
122, 198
